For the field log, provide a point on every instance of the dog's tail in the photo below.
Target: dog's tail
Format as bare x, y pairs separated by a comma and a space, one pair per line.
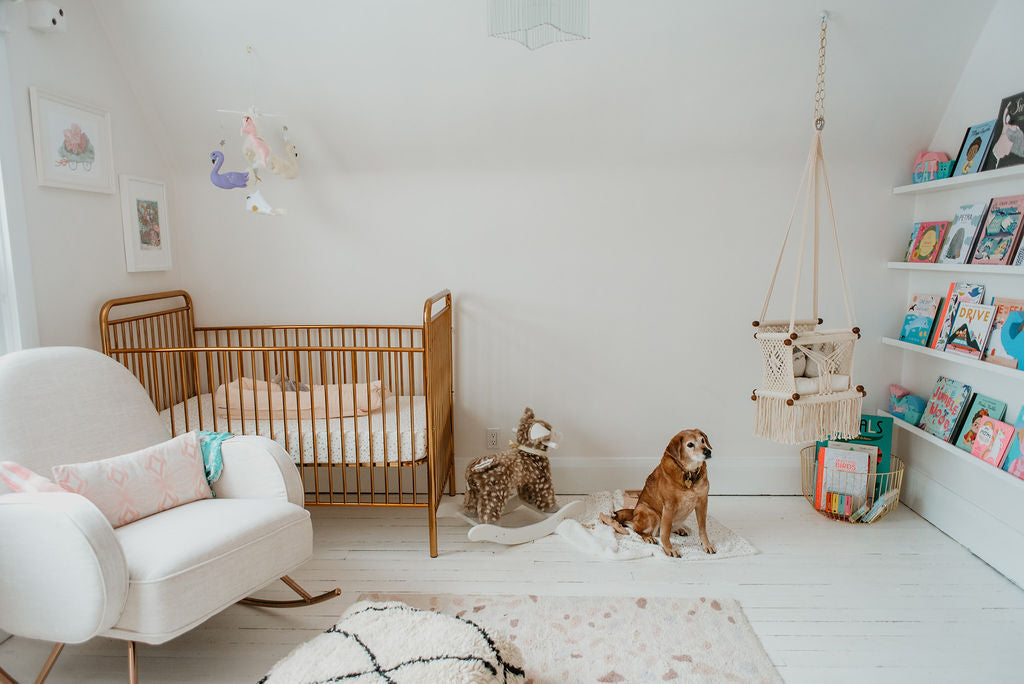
623, 515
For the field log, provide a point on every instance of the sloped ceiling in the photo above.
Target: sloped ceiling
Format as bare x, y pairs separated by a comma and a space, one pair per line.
377, 85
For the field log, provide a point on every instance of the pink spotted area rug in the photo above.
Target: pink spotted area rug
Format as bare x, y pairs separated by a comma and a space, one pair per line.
615, 639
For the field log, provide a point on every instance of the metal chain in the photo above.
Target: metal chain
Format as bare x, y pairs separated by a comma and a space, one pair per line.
819, 96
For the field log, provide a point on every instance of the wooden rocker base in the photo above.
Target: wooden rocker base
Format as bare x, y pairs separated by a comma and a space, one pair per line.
306, 600
498, 534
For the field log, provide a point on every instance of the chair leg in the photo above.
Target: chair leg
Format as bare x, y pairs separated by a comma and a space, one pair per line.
133, 666
306, 600
50, 662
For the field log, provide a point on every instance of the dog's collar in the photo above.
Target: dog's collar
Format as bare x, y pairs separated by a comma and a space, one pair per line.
691, 477
529, 450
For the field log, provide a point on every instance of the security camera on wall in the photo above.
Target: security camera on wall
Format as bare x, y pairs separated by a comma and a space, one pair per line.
47, 17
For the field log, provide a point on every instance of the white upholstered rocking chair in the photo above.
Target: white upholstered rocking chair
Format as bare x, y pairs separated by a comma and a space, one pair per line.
66, 575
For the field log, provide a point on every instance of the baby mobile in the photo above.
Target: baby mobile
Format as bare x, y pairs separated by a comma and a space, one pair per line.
258, 155
807, 391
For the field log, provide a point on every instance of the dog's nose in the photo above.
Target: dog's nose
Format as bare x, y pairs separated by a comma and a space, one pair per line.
707, 453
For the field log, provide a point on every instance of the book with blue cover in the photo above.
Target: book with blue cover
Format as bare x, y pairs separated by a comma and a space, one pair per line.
920, 318
947, 403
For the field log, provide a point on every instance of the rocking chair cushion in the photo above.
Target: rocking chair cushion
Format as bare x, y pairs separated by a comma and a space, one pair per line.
186, 563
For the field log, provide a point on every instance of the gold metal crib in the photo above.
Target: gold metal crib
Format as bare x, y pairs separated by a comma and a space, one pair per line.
399, 453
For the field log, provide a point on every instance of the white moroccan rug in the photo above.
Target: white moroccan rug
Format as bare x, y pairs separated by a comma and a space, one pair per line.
614, 639
588, 534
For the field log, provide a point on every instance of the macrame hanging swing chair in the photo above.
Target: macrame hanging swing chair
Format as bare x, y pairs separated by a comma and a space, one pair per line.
791, 409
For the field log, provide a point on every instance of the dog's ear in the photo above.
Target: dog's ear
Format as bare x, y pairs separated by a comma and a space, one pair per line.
675, 447
705, 436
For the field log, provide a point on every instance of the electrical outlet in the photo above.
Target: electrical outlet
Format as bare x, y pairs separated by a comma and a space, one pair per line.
493, 434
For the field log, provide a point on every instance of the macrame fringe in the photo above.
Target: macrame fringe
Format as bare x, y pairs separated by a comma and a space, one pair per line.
779, 422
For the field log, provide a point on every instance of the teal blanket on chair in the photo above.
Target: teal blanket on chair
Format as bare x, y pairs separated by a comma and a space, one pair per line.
213, 460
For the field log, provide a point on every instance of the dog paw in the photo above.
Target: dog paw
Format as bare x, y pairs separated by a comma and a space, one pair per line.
649, 539
708, 546
670, 552
681, 532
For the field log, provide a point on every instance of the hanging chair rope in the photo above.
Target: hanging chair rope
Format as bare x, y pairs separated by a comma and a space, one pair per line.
809, 185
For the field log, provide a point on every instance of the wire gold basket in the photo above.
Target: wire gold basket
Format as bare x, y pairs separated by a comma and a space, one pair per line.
848, 495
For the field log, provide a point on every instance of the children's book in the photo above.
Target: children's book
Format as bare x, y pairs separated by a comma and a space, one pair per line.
1019, 259
994, 437
874, 431
1000, 236
963, 233
958, 292
928, 236
1014, 461
974, 148
1005, 149
971, 327
981, 406
842, 471
948, 401
872, 453
920, 318
994, 351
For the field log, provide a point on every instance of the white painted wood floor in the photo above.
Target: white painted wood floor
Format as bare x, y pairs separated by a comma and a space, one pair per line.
896, 601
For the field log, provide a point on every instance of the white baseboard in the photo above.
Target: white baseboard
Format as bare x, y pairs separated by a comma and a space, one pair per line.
988, 537
737, 475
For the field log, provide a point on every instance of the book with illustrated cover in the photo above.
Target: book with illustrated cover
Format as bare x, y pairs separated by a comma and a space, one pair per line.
1013, 463
1001, 231
981, 406
1007, 146
974, 148
920, 318
993, 441
948, 401
994, 351
971, 326
841, 471
958, 292
927, 241
963, 233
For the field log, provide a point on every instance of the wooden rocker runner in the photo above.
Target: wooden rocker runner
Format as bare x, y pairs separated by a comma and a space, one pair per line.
789, 408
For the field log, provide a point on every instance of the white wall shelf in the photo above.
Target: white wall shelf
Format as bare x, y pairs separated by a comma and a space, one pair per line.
955, 358
959, 181
958, 268
985, 469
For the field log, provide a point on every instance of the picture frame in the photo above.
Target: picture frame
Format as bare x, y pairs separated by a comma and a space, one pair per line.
72, 143
974, 148
1007, 147
147, 232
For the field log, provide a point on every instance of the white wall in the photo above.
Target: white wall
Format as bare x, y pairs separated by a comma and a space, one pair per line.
607, 212
75, 238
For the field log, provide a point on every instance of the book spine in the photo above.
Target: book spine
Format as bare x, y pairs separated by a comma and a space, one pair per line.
941, 318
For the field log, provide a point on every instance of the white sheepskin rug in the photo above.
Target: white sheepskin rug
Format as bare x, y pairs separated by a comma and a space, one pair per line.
392, 642
588, 534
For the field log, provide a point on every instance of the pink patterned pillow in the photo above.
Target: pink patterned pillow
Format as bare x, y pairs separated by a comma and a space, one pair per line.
126, 488
18, 478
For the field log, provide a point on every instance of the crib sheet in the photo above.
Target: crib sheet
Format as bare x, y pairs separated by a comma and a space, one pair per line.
405, 433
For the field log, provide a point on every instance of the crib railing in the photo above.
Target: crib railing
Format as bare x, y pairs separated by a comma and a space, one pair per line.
184, 367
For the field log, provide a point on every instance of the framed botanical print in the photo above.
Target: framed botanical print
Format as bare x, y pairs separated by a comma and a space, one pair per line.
72, 143
147, 237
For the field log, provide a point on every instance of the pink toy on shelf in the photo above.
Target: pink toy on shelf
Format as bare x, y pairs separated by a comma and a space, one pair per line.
254, 146
931, 166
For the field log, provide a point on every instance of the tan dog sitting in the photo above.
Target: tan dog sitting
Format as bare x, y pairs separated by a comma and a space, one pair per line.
676, 488
492, 480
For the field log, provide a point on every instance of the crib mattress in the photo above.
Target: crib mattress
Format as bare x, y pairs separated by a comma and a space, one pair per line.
395, 433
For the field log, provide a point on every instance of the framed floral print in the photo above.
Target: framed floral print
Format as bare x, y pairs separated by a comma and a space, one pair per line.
147, 237
72, 143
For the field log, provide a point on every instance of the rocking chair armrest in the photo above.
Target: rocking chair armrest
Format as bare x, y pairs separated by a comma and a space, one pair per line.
63, 574
258, 468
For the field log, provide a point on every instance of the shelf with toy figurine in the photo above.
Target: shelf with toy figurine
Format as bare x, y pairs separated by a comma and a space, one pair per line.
959, 181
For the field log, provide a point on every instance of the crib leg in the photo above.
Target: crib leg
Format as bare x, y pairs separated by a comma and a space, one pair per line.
432, 522
451, 478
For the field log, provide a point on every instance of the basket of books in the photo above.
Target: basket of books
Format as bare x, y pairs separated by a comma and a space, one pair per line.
850, 484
